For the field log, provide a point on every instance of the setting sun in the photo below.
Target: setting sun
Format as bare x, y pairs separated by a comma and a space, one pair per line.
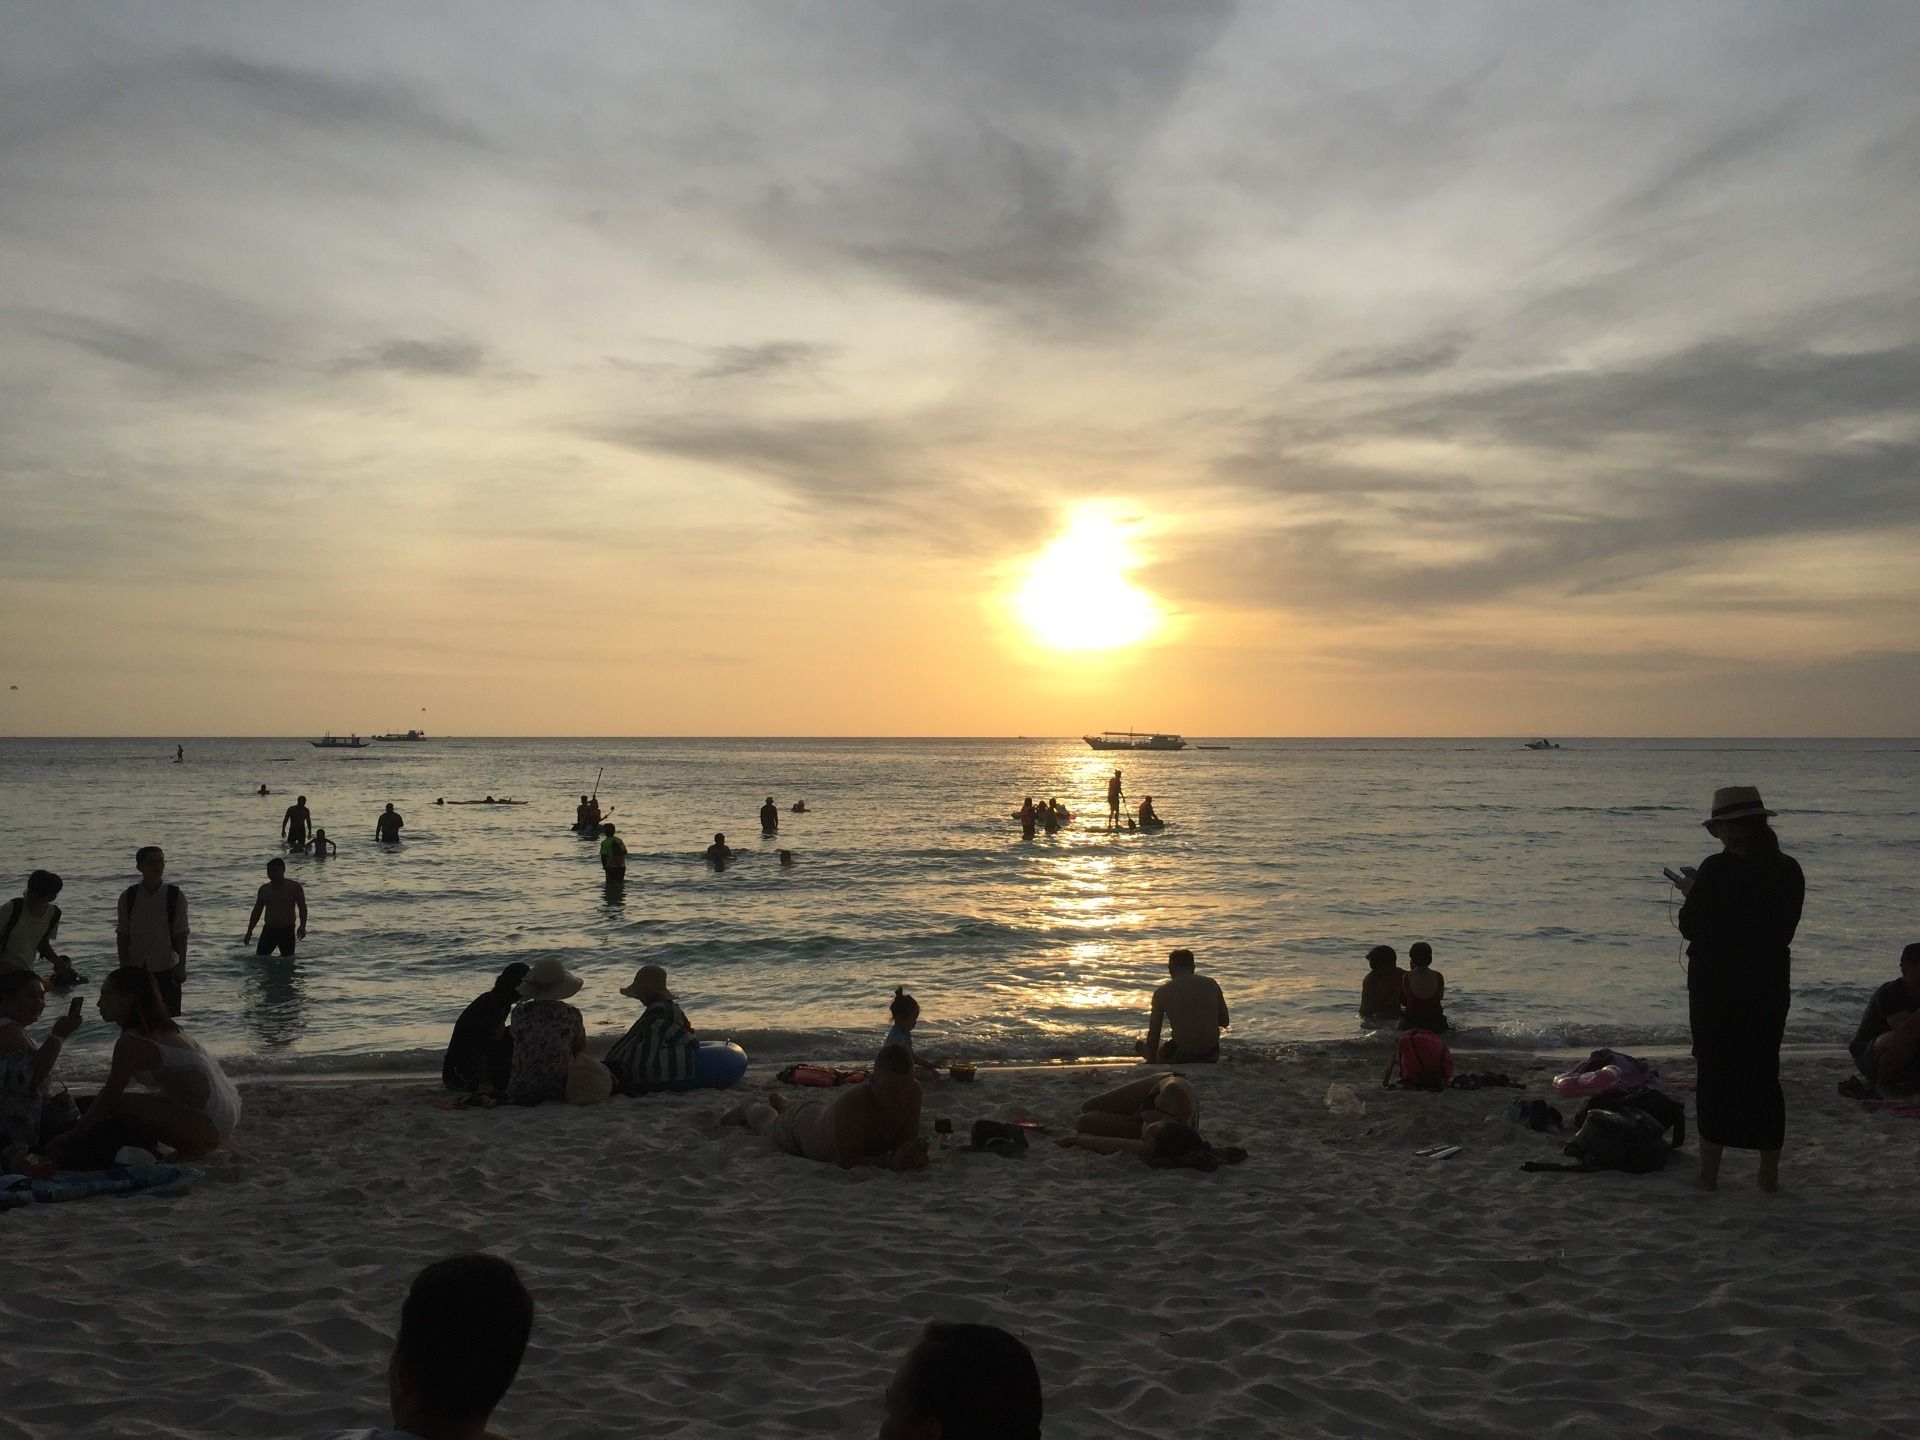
1076, 595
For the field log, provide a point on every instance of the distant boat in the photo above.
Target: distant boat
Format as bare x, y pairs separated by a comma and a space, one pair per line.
1133, 740
336, 742
1541, 745
410, 735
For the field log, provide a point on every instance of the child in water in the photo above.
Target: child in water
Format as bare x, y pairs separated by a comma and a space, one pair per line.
322, 846
905, 1011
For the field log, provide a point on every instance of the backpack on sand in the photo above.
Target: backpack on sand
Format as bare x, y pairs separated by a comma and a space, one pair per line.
1423, 1060
1671, 1113
1629, 1140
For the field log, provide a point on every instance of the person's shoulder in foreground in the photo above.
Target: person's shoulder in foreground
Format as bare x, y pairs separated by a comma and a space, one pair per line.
463, 1332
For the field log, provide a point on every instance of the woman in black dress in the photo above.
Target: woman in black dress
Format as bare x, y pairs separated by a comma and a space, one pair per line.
1742, 908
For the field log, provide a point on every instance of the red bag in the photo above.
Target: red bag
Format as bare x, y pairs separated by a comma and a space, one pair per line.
1423, 1060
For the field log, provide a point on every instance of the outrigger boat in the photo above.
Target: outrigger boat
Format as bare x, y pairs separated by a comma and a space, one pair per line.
1134, 740
336, 742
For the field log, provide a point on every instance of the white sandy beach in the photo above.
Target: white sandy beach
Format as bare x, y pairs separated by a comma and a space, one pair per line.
692, 1281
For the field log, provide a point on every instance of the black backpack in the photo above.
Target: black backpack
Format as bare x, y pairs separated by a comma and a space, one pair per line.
1671, 1114
1629, 1140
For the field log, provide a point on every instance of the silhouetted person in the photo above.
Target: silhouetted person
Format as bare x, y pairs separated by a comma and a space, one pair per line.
282, 901
1423, 992
769, 818
1886, 1047
1741, 911
1194, 1012
295, 824
1380, 991
964, 1382
1113, 802
719, 853
1026, 818
480, 1054
613, 852
387, 828
463, 1332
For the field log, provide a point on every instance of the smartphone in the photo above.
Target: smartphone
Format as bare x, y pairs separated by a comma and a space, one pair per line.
73, 1010
1674, 875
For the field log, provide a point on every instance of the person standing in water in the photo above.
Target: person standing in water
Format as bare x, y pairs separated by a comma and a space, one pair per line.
1026, 818
151, 929
179, 754
769, 818
1113, 802
387, 828
295, 823
719, 853
281, 899
323, 847
613, 852
1050, 817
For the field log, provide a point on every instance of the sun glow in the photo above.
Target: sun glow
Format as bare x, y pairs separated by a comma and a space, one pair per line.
1076, 595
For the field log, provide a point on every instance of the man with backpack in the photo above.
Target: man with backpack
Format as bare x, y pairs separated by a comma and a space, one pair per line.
28, 924
151, 931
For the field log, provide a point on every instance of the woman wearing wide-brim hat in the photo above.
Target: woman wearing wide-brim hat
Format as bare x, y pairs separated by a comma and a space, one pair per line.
547, 1034
1742, 908
659, 1052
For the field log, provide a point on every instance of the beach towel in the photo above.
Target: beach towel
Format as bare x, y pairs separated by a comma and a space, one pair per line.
85, 1184
820, 1075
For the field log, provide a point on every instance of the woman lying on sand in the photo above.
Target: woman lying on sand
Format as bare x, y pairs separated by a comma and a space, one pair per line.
1126, 1112
194, 1107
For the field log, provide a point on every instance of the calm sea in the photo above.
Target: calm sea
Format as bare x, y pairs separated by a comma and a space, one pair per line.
1535, 876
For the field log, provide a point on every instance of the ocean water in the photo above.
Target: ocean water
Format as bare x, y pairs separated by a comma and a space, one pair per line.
1535, 876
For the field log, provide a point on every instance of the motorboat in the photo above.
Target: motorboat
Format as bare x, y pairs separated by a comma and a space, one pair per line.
414, 735
1134, 740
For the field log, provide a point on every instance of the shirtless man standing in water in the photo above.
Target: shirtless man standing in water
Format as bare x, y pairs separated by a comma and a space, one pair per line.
875, 1123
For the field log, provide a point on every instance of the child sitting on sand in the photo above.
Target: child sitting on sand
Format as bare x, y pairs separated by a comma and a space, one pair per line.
905, 1012
1380, 991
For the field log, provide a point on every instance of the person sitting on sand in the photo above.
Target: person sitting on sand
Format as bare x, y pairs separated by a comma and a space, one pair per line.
1194, 1010
323, 847
1423, 990
547, 1033
657, 1053
904, 1011
463, 1333
27, 1121
719, 853
1126, 1112
1380, 991
875, 1123
28, 925
480, 1053
964, 1382
195, 1106
281, 900
1886, 1047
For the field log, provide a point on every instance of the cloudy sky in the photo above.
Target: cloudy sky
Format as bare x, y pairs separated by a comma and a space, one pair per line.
736, 369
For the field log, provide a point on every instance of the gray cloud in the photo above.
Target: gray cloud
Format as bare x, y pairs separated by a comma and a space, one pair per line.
734, 362
1396, 362
453, 357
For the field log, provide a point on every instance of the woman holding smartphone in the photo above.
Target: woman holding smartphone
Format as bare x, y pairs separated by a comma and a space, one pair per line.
1742, 908
25, 1067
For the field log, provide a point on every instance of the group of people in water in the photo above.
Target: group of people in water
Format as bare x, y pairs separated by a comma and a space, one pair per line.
1052, 817
466, 1321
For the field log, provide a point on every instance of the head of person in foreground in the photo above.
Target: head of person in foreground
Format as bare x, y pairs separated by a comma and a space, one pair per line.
964, 1382
463, 1330
130, 999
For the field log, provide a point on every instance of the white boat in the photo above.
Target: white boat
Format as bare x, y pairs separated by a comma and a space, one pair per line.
1134, 740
